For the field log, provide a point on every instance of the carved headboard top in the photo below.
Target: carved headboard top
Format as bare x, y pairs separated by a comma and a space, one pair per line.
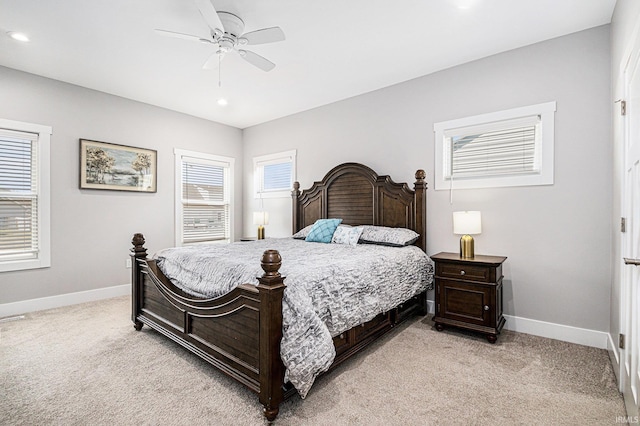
359, 196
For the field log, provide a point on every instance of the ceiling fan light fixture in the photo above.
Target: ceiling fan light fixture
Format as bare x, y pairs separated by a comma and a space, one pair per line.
18, 36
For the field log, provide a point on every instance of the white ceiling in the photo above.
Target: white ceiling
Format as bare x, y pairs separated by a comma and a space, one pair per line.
334, 49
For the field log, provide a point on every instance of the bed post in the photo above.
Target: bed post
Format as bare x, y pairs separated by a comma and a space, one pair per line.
271, 287
294, 196
420, 188
137, 252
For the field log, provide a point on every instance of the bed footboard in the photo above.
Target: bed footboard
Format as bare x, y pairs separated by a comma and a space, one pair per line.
239, 332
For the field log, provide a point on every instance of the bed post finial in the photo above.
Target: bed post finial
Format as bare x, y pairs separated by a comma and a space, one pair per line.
420, 175
271, 288
271, 262
138, 243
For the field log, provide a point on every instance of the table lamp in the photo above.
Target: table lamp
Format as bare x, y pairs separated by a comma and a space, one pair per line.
466, 224
260, 219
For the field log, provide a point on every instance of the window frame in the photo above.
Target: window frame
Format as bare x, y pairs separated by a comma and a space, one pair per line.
43, 196
258, 173
199, 157
546, 112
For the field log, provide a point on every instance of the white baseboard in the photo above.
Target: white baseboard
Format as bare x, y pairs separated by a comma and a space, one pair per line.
582, 336
32, 305
431, 306
566, 333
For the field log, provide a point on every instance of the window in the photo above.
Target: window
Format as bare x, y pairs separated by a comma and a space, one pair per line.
24, 196
203, 197
274, 174
506, 148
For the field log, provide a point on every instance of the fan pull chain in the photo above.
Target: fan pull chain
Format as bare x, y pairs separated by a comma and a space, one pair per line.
219, 70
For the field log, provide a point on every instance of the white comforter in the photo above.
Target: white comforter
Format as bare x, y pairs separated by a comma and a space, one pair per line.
330, 288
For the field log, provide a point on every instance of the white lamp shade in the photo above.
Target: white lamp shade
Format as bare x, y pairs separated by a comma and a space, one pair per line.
467, 223
260, 218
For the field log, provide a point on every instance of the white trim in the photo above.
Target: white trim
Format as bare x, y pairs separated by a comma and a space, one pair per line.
614, 357
545, 177
44, 196
566, 333
179, 154
581, 336
32, 305
263, 160
431, 306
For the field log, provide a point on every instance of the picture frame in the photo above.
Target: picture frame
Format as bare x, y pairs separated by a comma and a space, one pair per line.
116, 167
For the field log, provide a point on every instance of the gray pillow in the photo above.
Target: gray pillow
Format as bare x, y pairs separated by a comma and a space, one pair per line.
383, 235
302, 234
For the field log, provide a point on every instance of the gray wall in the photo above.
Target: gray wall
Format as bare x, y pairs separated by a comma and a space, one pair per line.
625, 16
92, 229
557, 238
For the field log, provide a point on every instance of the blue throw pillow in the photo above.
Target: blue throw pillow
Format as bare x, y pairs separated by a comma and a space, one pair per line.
323, 230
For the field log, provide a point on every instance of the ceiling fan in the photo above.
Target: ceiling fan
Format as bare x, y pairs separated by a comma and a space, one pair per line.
227, 34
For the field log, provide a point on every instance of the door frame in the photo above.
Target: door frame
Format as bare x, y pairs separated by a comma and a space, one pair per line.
630, 60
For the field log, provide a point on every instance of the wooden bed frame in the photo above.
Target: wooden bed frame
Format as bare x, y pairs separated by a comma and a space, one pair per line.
240, 332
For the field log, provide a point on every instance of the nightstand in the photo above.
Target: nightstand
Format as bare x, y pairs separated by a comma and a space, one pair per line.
469, 293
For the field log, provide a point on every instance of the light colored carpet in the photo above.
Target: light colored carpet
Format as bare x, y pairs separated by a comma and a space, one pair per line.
86, 365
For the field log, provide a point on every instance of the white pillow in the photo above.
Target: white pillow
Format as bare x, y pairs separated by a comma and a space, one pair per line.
347, 235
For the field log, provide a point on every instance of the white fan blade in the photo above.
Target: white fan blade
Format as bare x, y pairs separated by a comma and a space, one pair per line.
265, 35
257, 60
183, 36
209, 14
213, 62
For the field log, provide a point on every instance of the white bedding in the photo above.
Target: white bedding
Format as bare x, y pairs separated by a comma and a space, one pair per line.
330, 288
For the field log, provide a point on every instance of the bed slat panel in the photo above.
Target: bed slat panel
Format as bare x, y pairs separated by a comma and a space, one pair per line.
393, 213
228, 342
350, 197
155, 304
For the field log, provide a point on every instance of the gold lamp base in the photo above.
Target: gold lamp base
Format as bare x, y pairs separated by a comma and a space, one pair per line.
466, 247
261, 232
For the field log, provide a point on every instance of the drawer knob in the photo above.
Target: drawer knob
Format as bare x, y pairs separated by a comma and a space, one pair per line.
461, 272
342, 336
486, 307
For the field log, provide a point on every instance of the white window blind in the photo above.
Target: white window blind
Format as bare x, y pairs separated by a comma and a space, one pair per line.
19, 195
205, 193
503, 148
24, 196
277, 176
274, 174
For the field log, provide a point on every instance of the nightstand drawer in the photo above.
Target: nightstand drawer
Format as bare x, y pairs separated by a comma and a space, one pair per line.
466, 272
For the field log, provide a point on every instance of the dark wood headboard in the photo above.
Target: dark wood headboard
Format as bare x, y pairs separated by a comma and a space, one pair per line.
357, 195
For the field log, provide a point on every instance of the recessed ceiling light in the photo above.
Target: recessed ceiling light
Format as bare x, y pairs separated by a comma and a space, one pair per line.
18, 36
222, 102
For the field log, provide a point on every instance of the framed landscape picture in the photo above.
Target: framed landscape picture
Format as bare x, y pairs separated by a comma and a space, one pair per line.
117, 167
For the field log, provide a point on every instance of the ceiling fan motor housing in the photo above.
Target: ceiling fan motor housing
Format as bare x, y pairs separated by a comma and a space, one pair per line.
233, 25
